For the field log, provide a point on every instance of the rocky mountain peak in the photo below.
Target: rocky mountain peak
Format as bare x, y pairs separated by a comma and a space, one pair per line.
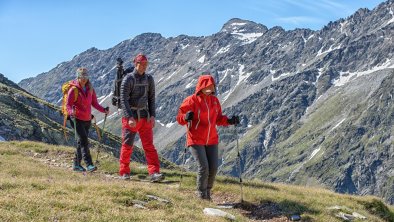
244, 30
4, 80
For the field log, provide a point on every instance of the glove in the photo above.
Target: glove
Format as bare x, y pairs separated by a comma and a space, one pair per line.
106, 110
234, 120
189, 116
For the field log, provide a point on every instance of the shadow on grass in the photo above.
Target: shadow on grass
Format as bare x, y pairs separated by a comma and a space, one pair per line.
145, 178
267, 210
378, 208
228, 180
225, 180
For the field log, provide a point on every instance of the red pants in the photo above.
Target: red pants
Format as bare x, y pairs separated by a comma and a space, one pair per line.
144, 128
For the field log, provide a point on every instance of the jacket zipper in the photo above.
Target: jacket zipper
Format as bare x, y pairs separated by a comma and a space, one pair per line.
209, 122
198, 119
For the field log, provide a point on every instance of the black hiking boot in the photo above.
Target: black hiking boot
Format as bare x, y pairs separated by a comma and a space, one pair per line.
208, 196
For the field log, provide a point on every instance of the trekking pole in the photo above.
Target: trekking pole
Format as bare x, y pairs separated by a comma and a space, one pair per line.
65, 128
97, 129
184, 154
75, 125
239, 163
101, 139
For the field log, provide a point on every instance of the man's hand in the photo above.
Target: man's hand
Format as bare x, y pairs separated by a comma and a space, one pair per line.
152, 121
106, 110
132, 122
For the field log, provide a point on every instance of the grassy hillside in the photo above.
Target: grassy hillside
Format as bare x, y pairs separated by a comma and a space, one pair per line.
37, 184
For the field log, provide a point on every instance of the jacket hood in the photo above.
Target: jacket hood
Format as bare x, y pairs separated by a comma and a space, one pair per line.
203, 82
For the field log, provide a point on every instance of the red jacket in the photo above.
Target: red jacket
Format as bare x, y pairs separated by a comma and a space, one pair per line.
84, 103
207, 115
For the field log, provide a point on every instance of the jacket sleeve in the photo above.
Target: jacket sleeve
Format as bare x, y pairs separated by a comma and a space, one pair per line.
187, 105
70, 101
125, 90
221, 119
151, 96
95, 103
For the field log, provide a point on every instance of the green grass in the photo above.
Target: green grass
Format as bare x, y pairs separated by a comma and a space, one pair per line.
32, 190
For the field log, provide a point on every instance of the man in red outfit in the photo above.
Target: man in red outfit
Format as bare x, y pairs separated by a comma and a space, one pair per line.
137, 99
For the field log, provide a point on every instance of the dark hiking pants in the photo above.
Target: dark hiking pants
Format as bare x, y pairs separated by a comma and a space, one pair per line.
83, 144
207, 159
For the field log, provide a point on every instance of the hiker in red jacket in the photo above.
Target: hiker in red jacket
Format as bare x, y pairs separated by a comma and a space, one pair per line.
79, 109
202, 113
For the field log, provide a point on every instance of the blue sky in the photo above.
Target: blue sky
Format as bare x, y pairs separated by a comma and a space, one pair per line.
36, 35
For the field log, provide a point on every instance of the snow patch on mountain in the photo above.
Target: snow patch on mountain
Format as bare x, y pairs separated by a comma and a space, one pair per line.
338, 124
332, 48
237, 30
314, 152
241, 77
247, 38
280, 76
168, 125
320, 72
101, 99
223, 50
392, 17
184, 46
345, 77
202, 59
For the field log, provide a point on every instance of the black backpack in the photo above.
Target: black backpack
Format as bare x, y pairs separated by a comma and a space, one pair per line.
120, 73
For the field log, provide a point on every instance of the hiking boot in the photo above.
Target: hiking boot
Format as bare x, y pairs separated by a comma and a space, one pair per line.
125, 176
78, 168
156, 177
204, 195
208, 196
91, 168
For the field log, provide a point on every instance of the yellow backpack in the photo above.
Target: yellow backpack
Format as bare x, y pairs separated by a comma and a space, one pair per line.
65, 88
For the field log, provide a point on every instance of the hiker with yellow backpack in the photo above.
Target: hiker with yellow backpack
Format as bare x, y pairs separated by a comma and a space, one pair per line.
77, 105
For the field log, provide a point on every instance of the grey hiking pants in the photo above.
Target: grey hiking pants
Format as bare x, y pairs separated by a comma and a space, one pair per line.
207, 159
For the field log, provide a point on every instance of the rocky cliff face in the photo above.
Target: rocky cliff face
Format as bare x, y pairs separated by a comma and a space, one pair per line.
315, 105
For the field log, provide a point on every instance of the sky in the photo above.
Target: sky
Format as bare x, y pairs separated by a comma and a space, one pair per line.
37, 35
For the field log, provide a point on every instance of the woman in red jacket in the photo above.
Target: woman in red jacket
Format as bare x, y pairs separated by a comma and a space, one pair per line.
202, 113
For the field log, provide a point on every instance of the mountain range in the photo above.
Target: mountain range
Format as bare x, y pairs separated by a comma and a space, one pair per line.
316, 107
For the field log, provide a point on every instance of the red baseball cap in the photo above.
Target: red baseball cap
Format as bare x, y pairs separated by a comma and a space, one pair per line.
140, 58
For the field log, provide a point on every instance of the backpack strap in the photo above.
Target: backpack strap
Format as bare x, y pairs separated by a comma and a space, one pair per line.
66, 114
75, 94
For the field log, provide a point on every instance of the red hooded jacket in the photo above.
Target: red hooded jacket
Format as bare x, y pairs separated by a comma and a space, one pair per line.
84, 103
207, 115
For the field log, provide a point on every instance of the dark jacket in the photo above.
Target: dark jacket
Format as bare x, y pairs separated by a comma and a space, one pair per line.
137, 92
